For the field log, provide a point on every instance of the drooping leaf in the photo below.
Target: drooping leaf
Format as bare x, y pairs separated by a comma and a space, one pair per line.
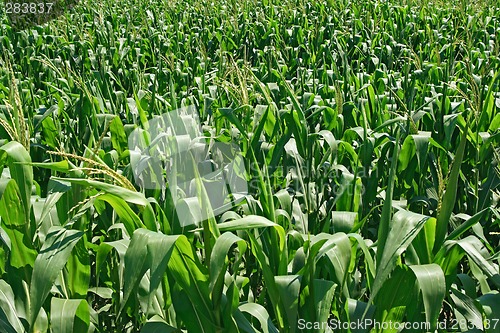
260, 313
405, 227
157, 325
217, 262
9, 320
69, 315
491, 308
288, 288
147, 250
49, 263
431, 281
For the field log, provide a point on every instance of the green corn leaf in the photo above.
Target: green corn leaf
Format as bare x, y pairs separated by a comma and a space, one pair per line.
16, 226
123, 210
386, 217
414, 145
41, 323
69, 315
466, 225
396, 296
337, 249
324, 292
490, 304
218, 265
103, 250
61, 166
9, 320
355, 311
49, 263
431, 281
123, 193
78, 272
288, 288
362, 243
349, 196
147, 250
192, 278
242, 323
453, 251
48, 216
268, 277
17, 158
449, 198
260, 313
267, 122
152, 302
246, 223
424, 242
405, 227
157, 325
344, 221
464, 307
191, 316
118, 138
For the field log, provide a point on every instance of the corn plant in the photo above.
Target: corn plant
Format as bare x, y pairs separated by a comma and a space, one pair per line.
366, 134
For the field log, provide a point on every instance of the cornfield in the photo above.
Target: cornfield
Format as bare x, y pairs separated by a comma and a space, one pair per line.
251, 166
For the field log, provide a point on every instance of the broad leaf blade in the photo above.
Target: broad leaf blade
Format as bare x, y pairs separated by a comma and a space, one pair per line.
49, 263
69, 315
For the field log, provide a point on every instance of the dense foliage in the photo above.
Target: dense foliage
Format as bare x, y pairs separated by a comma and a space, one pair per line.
368, 133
